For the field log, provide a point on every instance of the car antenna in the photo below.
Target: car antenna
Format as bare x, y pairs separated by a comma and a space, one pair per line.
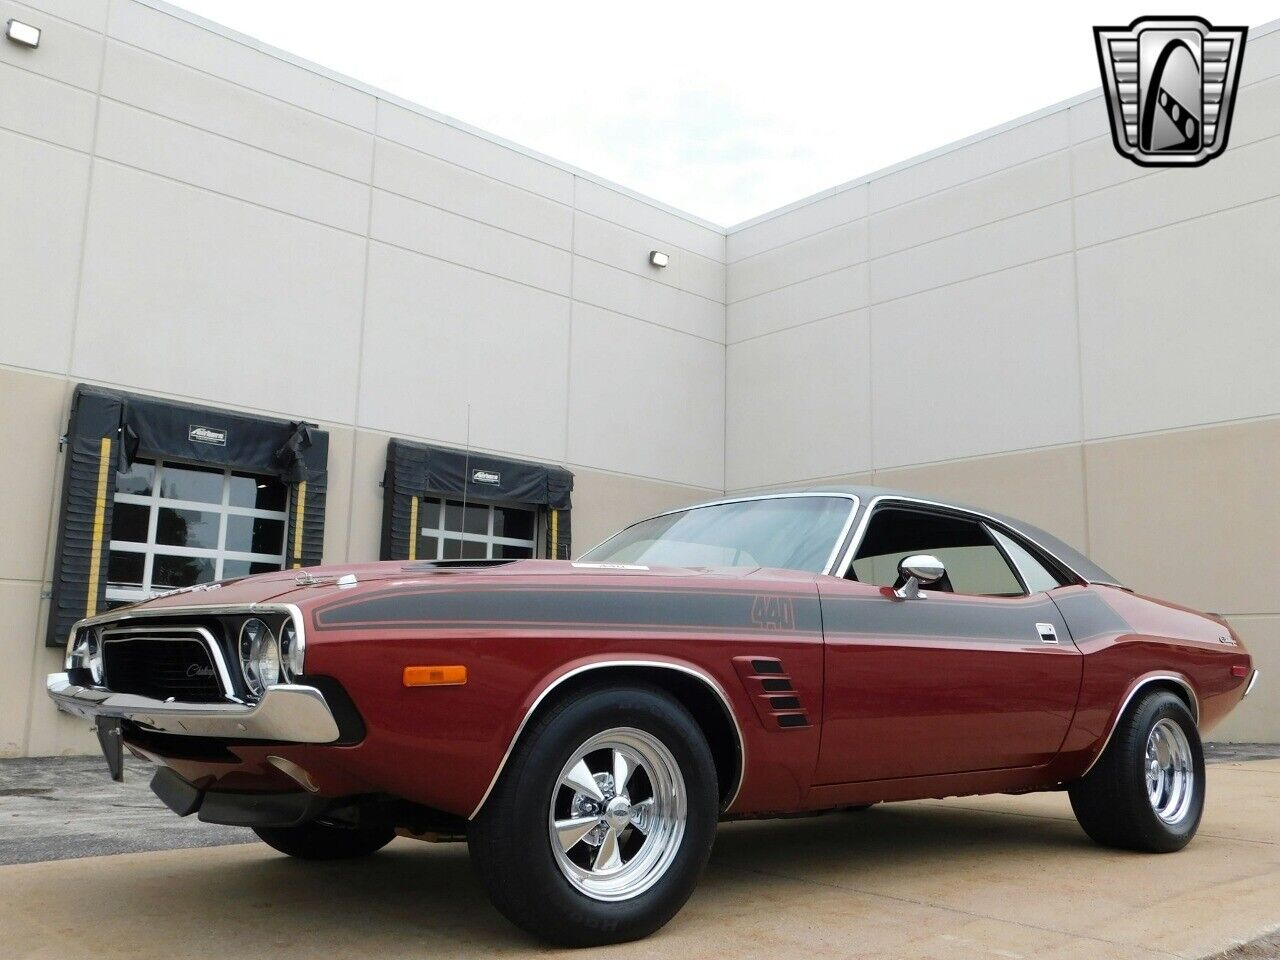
466, 485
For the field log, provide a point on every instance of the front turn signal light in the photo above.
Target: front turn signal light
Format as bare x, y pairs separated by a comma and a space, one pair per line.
452, 676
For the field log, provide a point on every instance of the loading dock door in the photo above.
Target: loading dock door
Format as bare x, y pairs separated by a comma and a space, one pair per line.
159, 494
444, 503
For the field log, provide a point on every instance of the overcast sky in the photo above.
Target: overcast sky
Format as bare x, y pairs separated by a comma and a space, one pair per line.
724, 110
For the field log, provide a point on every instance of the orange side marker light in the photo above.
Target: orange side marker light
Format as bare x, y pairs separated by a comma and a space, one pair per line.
453, 676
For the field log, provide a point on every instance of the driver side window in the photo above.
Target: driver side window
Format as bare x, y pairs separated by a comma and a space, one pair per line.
975, 564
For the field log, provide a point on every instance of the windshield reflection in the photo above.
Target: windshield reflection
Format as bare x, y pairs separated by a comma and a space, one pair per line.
797, 532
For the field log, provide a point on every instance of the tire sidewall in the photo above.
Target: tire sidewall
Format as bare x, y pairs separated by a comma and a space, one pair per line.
583, 919
1166, 706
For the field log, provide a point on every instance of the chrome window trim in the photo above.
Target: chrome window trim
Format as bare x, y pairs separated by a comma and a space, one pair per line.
843, 569
1180, 681
781, 495
124, 634
705, 678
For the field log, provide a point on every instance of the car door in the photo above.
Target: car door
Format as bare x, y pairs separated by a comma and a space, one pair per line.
977, 672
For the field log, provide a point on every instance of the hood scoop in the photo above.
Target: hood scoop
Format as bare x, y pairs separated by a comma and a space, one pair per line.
448, 566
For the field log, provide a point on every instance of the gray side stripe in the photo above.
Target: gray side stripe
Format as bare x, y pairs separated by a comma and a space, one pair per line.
589, 608
1089, 616
936, 618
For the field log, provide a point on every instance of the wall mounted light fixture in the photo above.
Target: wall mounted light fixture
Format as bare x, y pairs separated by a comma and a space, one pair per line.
22, 33
658, 258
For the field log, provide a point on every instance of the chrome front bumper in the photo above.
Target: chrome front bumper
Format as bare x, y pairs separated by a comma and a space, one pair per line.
287, 712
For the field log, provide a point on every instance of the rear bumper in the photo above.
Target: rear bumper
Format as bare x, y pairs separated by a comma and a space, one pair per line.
1253, 682
287, 713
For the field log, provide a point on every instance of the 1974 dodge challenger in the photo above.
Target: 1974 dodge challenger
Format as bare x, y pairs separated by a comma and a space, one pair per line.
585, 725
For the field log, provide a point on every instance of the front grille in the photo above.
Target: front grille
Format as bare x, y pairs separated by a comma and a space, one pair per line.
162, 667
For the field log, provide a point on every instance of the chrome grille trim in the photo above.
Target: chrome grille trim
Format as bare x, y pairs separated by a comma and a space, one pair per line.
182, 633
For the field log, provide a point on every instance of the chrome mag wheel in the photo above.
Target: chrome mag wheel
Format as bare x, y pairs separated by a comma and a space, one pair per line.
617, 814
1170, 771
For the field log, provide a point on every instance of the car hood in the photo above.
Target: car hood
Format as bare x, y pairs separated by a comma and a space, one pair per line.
313, 584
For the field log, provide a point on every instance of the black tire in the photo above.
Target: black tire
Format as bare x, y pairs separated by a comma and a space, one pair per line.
1112, 802
857, 808
322, 841
510, 842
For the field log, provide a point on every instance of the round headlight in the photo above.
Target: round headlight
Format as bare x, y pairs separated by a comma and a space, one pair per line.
77, 650
86, 654
94, 660
259, 656
291, 650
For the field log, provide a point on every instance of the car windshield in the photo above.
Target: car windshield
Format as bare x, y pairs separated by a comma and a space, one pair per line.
791, 533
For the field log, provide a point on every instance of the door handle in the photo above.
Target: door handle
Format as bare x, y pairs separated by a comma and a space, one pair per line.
1047, 632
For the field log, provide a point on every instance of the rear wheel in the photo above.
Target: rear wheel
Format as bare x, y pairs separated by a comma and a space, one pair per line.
323, 841
603, 820
1147, 790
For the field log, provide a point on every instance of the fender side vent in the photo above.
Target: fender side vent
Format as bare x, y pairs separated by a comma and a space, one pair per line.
778, 704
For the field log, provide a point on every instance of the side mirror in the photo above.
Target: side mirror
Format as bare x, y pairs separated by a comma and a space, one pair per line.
915, 571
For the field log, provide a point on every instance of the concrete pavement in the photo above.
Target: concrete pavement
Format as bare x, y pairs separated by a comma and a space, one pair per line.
55, 808
985, 877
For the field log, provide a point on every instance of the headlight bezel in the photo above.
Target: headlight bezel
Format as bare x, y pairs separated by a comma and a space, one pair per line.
258, 647
293, 647
84, 652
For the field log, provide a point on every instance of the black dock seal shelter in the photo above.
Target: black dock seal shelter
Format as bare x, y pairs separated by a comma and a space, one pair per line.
416, 470
109, 429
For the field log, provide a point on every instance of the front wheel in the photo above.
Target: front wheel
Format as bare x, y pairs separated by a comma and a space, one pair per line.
603, 820
1147, 790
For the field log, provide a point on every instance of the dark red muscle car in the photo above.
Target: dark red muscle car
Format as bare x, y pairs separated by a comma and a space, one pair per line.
585, 725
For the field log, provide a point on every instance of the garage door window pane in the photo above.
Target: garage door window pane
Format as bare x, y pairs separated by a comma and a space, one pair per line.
513, 523
125, 570
187, 528
254, 534
429, 514
257, 493
201, 484
129, 522
231, 569
476, 517
504, 551
137, 479
171, 571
